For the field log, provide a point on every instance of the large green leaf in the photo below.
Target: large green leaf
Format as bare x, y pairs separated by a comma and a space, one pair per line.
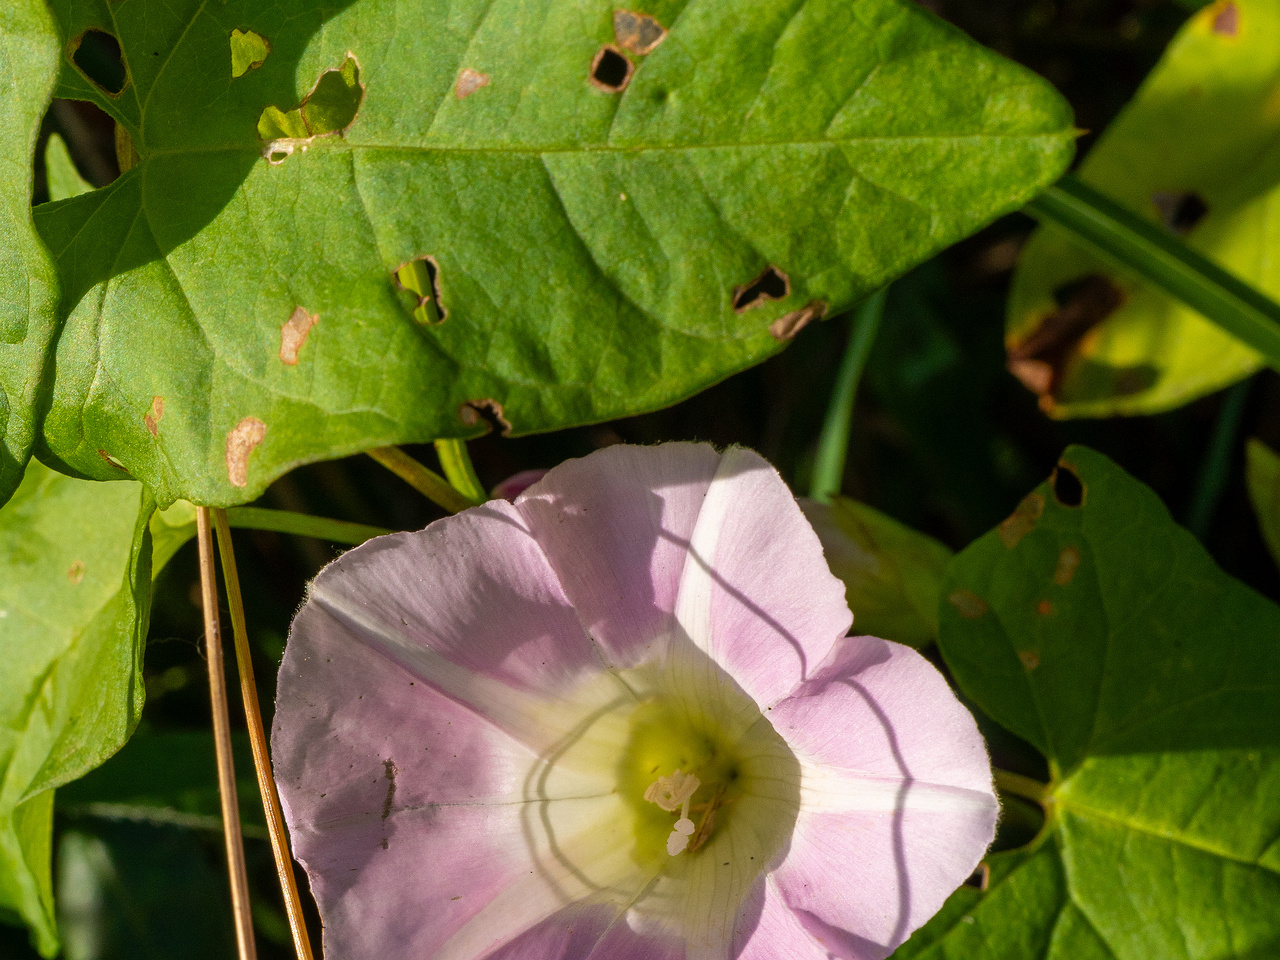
28, 284
1198, 148
892, 574
1262, 470
75, 573
590, 244
1105, 635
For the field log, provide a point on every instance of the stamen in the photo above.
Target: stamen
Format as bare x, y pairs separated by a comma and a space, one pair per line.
672, 792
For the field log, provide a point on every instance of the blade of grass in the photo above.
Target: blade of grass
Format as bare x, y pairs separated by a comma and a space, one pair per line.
1148, 250
833, 443
302, 524
456, 463
258, 742
427, 482
222, 743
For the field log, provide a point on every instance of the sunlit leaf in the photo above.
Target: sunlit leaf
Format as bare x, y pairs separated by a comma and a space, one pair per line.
1196, 149
592, 251
1094, 627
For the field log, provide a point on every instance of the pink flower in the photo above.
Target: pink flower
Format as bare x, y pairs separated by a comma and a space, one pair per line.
619, 718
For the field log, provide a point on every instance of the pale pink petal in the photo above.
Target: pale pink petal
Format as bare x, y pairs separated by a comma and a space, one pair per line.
768, 929
896, 794
616, 527
579, 933
517, 484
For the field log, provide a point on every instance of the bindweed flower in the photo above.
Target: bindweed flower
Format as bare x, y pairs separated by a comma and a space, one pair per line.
619, 718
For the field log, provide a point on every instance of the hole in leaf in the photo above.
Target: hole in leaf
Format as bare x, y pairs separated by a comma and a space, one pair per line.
421, 277
331, 107
249, 51
89, 134
610, 70
637, 32
97, 55
488, 410
789, 324
1180, 212
1067, 487
773, 284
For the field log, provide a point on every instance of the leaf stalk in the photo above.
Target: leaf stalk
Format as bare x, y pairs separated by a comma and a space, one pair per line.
456, 463
427, 482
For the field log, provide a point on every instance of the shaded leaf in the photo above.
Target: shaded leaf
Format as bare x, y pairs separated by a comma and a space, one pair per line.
28, 284
75, 569
594, 251
64, 179
892, 574
1197, 150
1106, 636
1262, 473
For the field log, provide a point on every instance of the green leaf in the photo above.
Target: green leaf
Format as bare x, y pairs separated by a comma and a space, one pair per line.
892, 574
64, 179
1199, 138
1262, 473
75, 569
584, 249
28, 283
1103, 633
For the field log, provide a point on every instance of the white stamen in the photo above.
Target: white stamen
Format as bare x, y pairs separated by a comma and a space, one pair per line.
672, 792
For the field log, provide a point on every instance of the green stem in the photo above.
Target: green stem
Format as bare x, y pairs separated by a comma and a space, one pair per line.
458, 469
1020, 786
302, 524
1134, 243
1216, 469
833, 444
427, 482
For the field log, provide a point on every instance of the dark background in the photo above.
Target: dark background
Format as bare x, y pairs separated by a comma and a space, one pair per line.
944, 439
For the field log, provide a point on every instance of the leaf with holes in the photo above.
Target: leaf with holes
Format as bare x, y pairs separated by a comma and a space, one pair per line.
1198, 148
1262, 472
891, 573
1094, 627
75, 565
28, 283
361, 223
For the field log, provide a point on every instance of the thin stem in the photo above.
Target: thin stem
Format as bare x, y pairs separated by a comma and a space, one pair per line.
427, 482
1216, 469
456, 463
258, 742
833, 444
1020, 786
222, 743
302, 524
1148, 250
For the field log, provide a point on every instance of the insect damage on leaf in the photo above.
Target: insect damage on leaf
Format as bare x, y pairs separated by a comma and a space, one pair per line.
610, 70
1179, 212
789, 324
1068, 489
152, 417
112, 461
1030, 659
637, 32
1022, 521
249, 51
294, 333
1040, 359
421, 278
97, 56
970, 605
469, 81
241, 441
330, 108
76, 573
1068, 563
1226, 19
488, 410
772, 284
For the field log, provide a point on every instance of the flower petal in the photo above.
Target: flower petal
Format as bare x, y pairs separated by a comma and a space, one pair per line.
897, 806
768, 929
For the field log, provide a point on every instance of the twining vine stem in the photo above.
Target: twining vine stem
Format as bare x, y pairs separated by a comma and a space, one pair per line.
258, 742
222, 743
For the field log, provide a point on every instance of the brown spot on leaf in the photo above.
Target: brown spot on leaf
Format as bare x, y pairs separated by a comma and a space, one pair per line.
76, 573
469, 81
637, 32
789, 324
112, 461
488, 410
970, 605
1040, 359
1226, 19
294, 333
1044, 608
1179, 212
610, 70
1068, 563
1068, 489
241, 441
152, 418
1030, 659
1022, 521
772, 284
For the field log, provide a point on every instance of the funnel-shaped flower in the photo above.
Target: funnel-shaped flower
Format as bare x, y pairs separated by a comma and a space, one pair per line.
619, 718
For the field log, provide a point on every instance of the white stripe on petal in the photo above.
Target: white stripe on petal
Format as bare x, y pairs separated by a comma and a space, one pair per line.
826, 789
